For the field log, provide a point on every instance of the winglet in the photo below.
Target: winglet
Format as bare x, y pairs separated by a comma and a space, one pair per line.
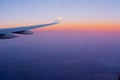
58, 20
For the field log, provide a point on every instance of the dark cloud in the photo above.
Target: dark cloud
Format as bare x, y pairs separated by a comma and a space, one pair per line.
61, 56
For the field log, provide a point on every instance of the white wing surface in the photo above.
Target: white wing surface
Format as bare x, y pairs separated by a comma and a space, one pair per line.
8, 33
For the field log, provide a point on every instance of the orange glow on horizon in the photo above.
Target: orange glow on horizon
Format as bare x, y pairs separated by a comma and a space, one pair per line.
74, 26
86, 26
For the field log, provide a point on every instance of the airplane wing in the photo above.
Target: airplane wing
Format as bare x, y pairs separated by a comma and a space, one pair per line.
8, 33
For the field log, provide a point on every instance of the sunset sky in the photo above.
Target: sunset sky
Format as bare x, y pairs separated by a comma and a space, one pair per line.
77, 14
84, 46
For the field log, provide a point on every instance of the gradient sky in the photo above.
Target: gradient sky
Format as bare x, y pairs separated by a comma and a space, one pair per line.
76, 12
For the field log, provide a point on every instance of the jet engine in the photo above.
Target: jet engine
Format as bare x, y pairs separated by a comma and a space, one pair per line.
24, 32
8, 36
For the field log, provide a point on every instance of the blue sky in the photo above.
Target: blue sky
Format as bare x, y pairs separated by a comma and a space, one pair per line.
21, 11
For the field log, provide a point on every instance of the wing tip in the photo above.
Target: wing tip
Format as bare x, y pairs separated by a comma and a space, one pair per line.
58, 20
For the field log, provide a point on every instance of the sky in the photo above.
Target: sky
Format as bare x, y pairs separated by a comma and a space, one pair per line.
62, 51
76, 13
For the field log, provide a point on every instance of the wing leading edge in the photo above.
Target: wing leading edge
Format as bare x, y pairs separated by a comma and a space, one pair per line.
6, 33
